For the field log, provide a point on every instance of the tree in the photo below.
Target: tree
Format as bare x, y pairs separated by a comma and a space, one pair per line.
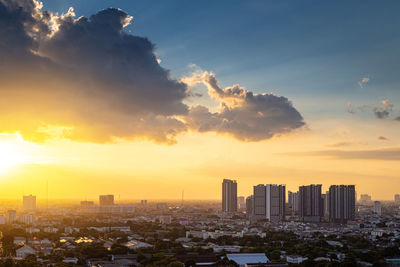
275, 255
190, 263
175, 264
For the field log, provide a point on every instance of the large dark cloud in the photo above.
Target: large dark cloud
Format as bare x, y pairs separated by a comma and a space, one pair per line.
87, 79
243, 114
121, 63
86, 75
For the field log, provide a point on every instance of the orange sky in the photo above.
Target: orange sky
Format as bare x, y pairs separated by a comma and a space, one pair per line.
196, 164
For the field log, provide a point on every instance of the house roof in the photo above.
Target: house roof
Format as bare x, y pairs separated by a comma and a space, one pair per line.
243, 258
26, 249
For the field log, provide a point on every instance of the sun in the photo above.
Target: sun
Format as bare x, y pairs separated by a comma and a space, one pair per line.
13, 151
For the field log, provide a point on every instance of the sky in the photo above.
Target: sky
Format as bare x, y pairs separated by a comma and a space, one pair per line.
146, 99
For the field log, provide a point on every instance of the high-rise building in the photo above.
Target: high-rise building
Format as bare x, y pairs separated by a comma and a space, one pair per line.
27, 218
276, 199
325, 199
241, 203
29, 202
11, 216
106, 200
293, 201
249, 206
342, 203
397, 199
310, 203
229, 195
378, 207
259, 202
365, 199
269, 202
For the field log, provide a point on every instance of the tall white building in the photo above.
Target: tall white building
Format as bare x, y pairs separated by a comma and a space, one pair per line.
269, 202
378, 207
29, 202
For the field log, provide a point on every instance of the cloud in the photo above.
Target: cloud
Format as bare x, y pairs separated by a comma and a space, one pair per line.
373, 154
242, 114
87, 79
350, 108
345, 144
397, 118
363, 81
382, 138
381, 112
86, 76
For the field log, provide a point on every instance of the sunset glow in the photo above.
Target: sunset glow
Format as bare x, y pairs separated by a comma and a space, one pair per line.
116, 100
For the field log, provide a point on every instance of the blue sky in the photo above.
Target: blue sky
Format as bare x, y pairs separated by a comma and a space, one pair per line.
307, 51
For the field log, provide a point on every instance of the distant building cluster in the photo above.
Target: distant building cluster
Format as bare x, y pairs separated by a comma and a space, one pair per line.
309, 204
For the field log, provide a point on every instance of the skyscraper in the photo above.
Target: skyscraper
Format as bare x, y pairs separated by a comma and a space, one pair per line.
342, 201
310, 203
29, 202
249, 206
229, 195
269, 202
106, 200
259, 202
326, 204
378, 207
293, 201
241, 203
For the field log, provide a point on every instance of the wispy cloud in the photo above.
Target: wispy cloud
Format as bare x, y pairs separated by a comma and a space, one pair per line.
345, 144
372, 154
363, 82
382, 138
383, 111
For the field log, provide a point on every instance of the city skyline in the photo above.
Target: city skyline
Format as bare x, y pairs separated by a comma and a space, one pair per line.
199, 133
145, 100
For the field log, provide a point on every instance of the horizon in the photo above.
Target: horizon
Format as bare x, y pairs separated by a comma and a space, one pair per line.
147, 100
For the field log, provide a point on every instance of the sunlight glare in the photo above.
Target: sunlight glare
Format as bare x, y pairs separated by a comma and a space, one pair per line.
13, 151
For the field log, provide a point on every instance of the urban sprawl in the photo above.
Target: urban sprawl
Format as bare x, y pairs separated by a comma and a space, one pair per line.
269, 228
